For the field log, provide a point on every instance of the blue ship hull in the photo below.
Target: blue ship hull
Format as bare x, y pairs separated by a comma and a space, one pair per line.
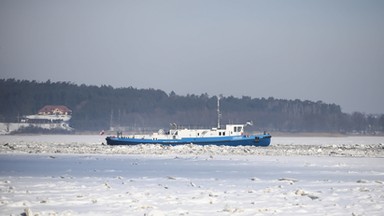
254, 140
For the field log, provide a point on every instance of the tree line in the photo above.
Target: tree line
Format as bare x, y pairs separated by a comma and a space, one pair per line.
100, 107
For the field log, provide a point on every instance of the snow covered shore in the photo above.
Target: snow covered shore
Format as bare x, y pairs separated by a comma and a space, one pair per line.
77, 175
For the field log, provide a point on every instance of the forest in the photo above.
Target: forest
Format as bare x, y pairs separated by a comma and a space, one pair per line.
96, 108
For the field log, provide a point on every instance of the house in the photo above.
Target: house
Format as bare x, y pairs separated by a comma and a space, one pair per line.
50, 117
55, 110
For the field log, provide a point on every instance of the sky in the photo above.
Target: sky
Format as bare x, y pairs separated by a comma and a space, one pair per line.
328, 50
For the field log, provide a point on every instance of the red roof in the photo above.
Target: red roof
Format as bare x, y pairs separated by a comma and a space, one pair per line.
54, 109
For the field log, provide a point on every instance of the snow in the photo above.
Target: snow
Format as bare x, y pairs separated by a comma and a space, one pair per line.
288, 146
77, 175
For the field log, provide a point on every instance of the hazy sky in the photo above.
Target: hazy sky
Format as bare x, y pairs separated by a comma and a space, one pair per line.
329, 50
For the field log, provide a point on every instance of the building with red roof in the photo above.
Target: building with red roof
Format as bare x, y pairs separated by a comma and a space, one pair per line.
55, 110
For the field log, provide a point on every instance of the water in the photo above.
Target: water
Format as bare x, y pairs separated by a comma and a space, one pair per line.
223, 167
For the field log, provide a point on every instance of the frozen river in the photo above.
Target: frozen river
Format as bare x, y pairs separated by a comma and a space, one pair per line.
227, 167
38, 176
190, 185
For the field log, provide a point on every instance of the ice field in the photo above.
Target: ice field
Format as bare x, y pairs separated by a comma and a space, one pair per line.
37, 177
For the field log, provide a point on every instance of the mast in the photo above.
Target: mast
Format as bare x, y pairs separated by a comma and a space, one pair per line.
218, 112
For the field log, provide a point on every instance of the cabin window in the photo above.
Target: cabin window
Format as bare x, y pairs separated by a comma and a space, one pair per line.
219, 133
235, 129
223, 133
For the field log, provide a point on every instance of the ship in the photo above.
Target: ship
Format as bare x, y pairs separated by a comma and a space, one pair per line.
230, 135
